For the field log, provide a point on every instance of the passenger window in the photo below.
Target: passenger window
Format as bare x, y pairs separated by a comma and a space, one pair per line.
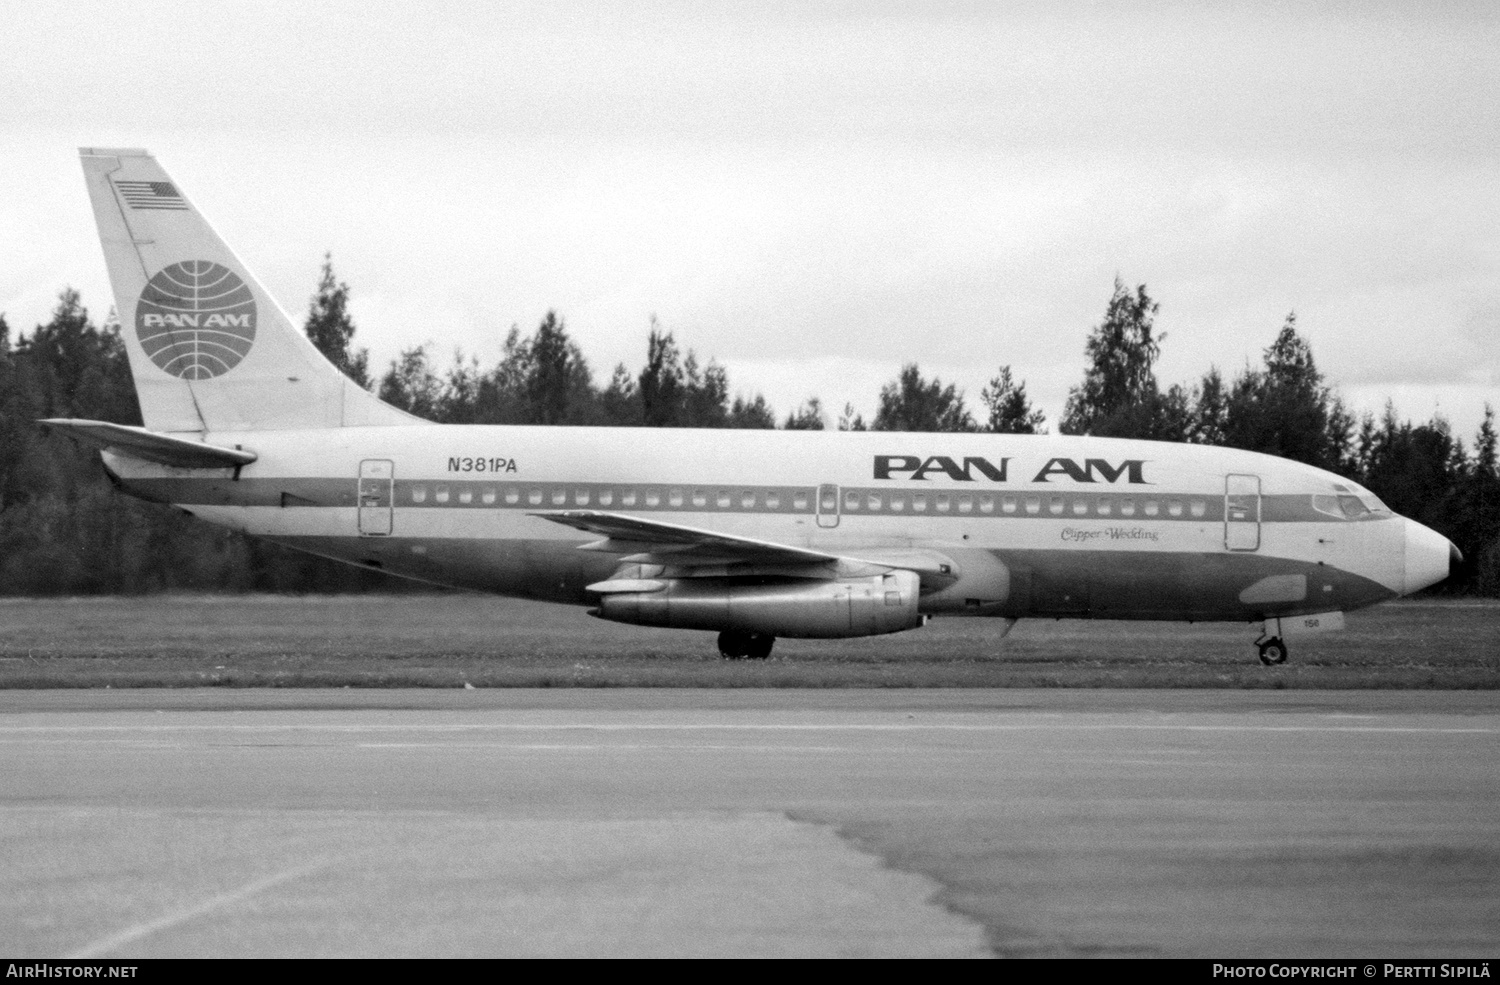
466, 495
986, 504
828, 499
559, 497
674, 497
1055, 506
1174, 507
873, 501
442, 494
512, 496
1008, 504
851, 501
534, 497
419, 494
966, 504
700, 498
627, 498
1033, 505
722, 500
581, 497
1080, 506
1152, 508
606, 497
799, 501
919, 503
773, 501
1197, 507
653, 497
747, 500
1104, 506
942, 502
1127, 507
898, 502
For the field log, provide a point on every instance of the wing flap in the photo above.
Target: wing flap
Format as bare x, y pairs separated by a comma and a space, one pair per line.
633, 535
151, 446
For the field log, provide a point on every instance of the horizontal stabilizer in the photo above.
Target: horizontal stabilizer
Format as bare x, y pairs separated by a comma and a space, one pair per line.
152, 446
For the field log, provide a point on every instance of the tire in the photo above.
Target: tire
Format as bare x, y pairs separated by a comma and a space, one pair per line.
760, 646
1273, 652
735, 646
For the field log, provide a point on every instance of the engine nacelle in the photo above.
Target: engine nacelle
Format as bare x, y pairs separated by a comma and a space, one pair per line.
787, 607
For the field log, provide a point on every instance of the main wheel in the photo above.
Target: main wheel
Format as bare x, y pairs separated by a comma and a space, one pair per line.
760, 646
735, 646
1273, 652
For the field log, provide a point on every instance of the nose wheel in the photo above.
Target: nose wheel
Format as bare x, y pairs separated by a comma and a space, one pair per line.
745, 646
1272, 651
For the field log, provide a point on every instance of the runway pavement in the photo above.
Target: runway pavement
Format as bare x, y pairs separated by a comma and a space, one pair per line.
612, 822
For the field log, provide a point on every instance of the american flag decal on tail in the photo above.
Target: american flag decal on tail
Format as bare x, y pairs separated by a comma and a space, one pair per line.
150, 195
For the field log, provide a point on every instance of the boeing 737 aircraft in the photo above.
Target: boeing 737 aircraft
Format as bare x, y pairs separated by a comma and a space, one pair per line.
752, 534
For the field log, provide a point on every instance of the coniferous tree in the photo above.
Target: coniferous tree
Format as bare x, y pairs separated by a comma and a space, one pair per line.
751, 414
1010, 410
850, 421
1118, 396
808, 417
1482, 509
556, 385
705, 394
913, 403
1283, 409
332, 330
677, 392
660, 383
620, 403
412, 385
1210, 409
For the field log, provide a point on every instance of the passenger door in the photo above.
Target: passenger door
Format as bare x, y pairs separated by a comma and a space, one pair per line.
1242, 512
376, 479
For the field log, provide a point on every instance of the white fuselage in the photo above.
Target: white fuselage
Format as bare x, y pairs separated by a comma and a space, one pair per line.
1078, 526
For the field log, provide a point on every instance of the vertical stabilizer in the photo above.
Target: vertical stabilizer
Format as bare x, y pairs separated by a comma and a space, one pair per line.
209, 349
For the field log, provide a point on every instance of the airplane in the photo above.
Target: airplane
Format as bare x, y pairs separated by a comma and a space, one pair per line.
750, 534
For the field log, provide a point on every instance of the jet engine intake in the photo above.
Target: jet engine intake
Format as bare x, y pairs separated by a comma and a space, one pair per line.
794, 607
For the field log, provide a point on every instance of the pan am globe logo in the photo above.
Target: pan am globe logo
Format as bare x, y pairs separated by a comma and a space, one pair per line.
196, 319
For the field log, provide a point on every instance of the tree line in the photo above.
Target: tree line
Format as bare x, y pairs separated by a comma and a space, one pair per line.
64, 531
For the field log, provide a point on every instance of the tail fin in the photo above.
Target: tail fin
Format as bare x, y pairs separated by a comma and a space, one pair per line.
209, 348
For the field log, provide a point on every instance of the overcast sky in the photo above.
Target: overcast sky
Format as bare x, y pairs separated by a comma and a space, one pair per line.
811, 193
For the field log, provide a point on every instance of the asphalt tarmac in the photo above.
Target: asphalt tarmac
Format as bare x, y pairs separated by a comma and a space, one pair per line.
750, 823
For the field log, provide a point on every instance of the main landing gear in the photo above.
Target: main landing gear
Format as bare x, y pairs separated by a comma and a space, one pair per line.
1272, 650
745, 646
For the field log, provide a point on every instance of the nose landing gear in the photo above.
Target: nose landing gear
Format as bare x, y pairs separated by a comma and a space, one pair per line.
1272, 650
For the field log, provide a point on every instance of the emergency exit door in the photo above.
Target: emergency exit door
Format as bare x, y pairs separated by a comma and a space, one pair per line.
1242, 512
828, 506
376, 478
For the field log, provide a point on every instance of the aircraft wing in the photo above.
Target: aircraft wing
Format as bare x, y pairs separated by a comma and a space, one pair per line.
681, 545
153, 446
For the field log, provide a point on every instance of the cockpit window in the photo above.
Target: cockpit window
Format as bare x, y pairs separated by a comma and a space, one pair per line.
1350, 506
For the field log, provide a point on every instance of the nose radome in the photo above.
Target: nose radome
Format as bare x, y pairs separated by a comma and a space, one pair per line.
1429, 556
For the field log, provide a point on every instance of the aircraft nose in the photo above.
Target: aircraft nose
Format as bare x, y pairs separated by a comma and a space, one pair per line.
1430, 557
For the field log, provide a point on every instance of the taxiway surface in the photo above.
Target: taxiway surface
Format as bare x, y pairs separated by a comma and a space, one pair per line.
924, 823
